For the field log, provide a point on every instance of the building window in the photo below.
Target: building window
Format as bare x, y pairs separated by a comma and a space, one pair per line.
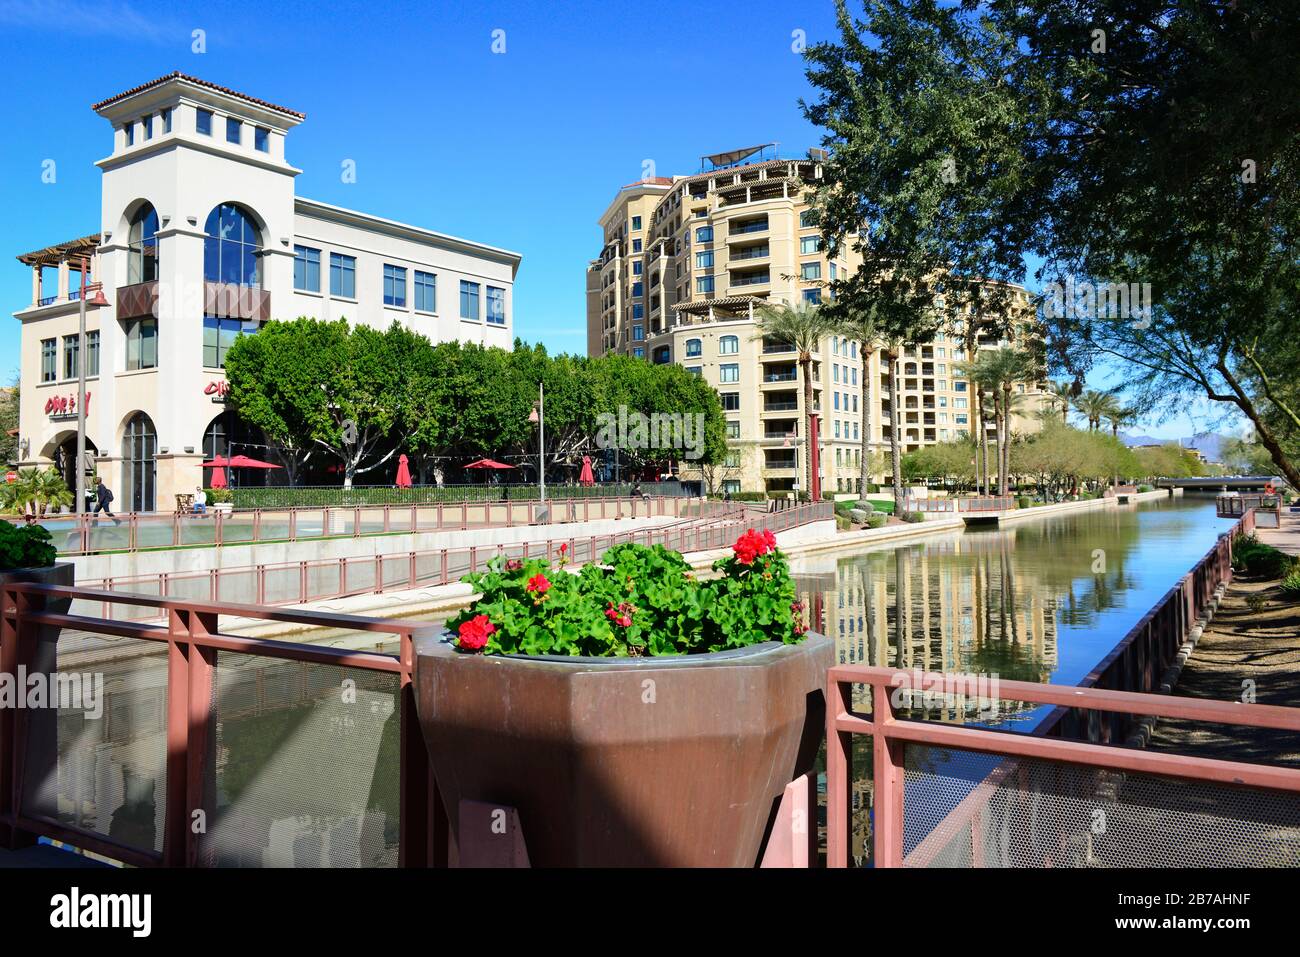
70, 349
638, 290
636, 222
704, 234
496, 305
730, 401
729, 345
306, 268
394, 285
469, 300
637, 268
694, 347
694, 370
146, 125
129, 130
49, 360
810, 271
809, 245
142, 246
219, 334
203, 122
704, 284
805, 219
733, 429
812, 296
638, 333
638, 311
233, 247
638, 353
234, 129
141, 344
166, 120
663, 355
636, 245
704, 259
729, 372
343, 276
426, 292
139, 444
92, 354
732, 485
261, 139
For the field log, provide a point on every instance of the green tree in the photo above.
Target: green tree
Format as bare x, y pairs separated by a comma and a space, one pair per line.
9, 423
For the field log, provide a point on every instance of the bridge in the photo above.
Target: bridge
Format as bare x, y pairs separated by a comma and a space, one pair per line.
1224, 483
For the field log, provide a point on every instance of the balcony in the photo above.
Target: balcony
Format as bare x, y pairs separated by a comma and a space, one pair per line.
788, 374
781, 405
774, 464
770, 347
751, 252
748, 227
761, 278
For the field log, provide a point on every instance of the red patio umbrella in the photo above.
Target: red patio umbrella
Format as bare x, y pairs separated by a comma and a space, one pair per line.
244, 462
403, 472
585, 477
218, 466
489, 464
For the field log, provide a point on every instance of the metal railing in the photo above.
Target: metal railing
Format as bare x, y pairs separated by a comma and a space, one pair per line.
296, 583
944, 794
87, 534
995, 503
301, 496
1235, 506
190, 647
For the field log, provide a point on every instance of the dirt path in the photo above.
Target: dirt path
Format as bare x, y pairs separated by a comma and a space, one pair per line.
1254, 637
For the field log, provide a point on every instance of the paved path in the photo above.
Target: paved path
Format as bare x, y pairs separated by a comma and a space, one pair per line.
1286, 538
1255, 636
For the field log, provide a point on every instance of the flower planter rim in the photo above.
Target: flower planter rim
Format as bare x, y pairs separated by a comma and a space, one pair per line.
441, 645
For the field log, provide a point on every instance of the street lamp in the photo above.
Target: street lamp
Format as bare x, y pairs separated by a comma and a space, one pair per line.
98, 289
538, 415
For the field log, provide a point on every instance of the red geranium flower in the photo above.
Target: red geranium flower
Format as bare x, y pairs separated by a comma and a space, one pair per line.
475, 632
539, 583
753, 544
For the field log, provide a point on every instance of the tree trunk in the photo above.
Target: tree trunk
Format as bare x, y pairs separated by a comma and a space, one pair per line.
864, 467
805, 361
981, 447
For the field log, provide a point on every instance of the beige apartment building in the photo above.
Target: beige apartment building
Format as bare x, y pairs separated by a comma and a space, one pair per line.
686, 263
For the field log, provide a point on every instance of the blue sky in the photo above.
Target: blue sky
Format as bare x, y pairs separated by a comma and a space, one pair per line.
521, 149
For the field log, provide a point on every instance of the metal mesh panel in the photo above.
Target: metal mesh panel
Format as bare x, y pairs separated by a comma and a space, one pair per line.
964, 809
428, 567
397, 571
306, 775
283, 585
108, 771
323, 581
360, 575
239, 586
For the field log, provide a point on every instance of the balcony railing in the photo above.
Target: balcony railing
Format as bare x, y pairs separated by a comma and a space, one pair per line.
759, 226
781, 406
757, 279
780, 376
757, 252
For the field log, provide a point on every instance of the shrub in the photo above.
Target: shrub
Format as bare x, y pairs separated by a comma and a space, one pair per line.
217, 496
1291, 583
1253, 557
865, 506
877, 520
1024, 501
913, 517
1146, 488
25, 546
638, 601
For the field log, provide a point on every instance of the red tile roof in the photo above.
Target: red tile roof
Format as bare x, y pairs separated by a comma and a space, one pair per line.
177, 75
651, 181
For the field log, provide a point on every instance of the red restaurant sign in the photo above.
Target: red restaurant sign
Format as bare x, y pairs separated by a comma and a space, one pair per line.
57, 405
218, 389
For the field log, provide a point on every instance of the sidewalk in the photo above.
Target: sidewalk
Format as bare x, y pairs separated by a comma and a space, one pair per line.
1241, 645
1284, 539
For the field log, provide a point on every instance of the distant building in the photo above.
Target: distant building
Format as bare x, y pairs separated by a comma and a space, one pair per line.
686, 260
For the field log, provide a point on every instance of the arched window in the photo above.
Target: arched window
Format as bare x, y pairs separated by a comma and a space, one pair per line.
232, 247
228, 435
729, 345
142, 246
663, 354
694, 347
139, 447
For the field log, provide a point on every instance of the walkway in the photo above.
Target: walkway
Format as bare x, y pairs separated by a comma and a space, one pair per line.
1286, 538
1254, 636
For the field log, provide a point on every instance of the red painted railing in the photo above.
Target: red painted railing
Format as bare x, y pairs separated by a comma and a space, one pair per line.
984, 503
295, 583
193, 641
89, 535
894, 803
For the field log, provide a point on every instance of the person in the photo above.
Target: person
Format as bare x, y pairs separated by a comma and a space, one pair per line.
636, 489
726, 495
200, 501
103, 499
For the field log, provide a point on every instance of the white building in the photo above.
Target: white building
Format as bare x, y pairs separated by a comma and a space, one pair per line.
201, 237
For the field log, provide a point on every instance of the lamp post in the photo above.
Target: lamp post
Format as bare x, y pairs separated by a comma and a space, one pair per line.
538, 415
98, 289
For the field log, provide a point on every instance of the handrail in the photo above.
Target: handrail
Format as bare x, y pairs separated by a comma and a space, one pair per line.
891, 735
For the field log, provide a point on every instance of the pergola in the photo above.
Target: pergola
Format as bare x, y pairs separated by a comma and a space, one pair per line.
62, 252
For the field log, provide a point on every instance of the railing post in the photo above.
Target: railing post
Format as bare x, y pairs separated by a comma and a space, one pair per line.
200, 779
423, 829
839, 775
887, 783
175, 824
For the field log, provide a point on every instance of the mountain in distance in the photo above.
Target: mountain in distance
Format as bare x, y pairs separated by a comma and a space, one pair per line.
1208, 444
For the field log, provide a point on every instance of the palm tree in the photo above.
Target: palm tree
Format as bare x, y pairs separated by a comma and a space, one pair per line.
863, 326
803, 326
1006, 367
976, 371
1095, 405
1060, 396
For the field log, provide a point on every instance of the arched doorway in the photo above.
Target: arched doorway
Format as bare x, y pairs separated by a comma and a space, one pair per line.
139, 450
227, 435
65, 461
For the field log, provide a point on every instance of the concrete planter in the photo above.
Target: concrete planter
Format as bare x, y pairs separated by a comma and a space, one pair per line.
675, 761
